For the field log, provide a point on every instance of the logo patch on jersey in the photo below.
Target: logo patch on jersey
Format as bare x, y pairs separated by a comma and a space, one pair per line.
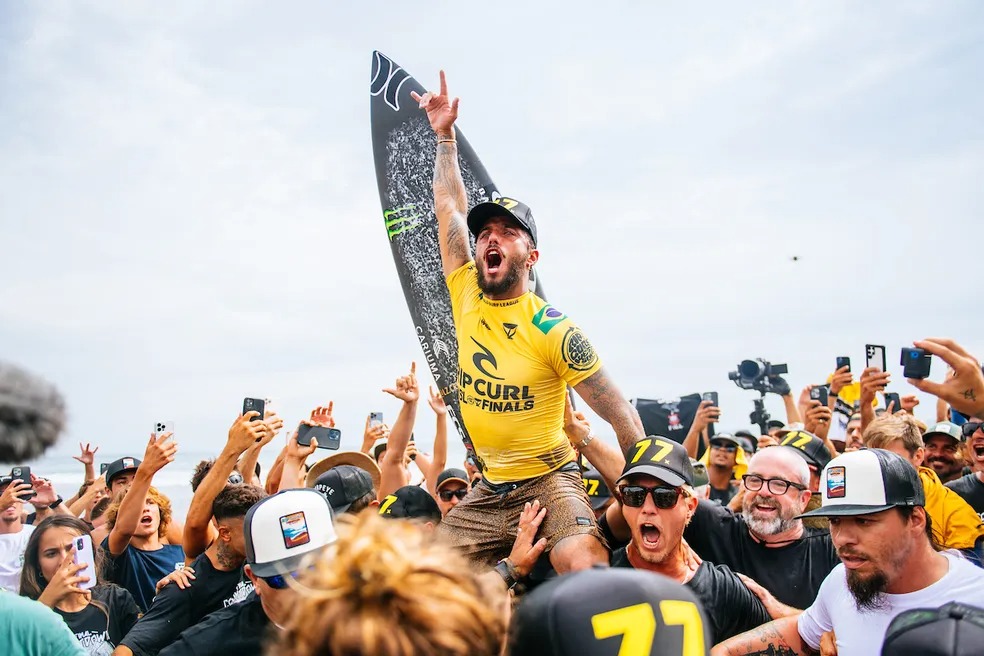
547, 318
836, 483
485, 356
510, 329
577, 350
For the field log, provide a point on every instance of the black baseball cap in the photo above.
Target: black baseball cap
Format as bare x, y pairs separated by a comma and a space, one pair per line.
953, 629
597, 491
451, 474
810, 447
725, 437
120, 466
502, 206
557, 618
343, 485
410, 502
660, 457
867, 481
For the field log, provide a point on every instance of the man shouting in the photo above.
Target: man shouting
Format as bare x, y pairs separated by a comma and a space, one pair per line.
516, 356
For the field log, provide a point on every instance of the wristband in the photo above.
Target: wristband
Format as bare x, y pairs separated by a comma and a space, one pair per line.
586, 441
57, 502
440, 141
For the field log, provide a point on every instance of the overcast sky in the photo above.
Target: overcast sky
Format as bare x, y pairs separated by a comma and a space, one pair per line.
189, 211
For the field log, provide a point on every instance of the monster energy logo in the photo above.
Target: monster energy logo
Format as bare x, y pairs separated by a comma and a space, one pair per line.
397, 222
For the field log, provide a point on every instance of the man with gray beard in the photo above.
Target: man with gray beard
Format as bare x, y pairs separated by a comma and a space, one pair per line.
766, 542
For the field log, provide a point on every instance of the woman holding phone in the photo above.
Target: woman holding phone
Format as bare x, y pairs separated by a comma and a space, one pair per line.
57, 572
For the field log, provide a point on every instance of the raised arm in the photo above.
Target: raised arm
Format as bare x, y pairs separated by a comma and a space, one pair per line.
393, 474
604, 457
707, 413
160, 451
450, 198
436, 402
198, 531
599, 391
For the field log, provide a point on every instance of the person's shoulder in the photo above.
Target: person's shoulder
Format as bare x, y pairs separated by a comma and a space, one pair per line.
110, 593
964, 569
620, 558
462, 277
963, 484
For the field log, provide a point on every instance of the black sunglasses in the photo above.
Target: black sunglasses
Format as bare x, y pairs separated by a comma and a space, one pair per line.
447, 495
634, 496
730, 448
971, 427
279, 581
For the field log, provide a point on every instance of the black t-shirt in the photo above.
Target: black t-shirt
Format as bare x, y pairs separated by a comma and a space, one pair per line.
722, 497
792, 573
174, 609
101, 625
730, 607
606, 531
139, 571
237, 630
971, 489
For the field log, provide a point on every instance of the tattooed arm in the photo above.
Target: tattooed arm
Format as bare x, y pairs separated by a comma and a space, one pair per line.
450, 199
777, 638
599, 391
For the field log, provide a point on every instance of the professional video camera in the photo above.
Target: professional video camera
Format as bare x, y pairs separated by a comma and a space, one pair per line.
756, 374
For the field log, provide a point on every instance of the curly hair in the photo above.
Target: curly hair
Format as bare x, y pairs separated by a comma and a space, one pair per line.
233, 501
200, 472
155, 497
390, 588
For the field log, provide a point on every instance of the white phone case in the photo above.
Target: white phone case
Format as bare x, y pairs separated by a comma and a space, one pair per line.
84, 554
876, 356
162, 427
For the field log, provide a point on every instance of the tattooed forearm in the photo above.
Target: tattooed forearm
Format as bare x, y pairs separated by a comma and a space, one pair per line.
777, 638
600, 392
450, 204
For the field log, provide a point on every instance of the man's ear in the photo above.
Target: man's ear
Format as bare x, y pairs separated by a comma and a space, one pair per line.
249, 573
533, 258
919, 457
374, 503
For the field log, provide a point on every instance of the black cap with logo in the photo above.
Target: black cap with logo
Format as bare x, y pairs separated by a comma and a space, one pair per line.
662, 458
587, 614
343, 485
410, 502
502, 206
954, 629
810, 447
120, 466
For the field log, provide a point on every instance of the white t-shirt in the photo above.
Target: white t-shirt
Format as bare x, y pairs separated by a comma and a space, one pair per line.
12, 546
862, 633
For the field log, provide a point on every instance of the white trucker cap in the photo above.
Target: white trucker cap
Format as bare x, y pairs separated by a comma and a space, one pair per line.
282, 529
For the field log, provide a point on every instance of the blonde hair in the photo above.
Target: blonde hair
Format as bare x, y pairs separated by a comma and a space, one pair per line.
391, 589
153, 495
886, 429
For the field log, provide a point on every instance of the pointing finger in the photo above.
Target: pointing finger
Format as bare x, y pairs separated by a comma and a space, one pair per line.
444, 84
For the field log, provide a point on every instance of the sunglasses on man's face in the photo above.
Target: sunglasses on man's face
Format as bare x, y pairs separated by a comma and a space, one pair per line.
730, 448
971, 427
279, 581
447, 495
634, 496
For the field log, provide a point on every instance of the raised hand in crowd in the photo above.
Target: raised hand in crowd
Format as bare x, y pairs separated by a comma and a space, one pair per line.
66, 581
873, 380
88, 459
964, 389
247, 463
91, 493
182, 577
436, 402
606, 458
393, 473
13, 492
246, 431
46, 501
817, 418
159, 453
323, 416
838, 381
440, 459
909, 403
707, 413
372, 434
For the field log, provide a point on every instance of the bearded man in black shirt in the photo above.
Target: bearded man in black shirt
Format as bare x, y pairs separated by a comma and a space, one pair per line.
971, 486
657, 497
766, 542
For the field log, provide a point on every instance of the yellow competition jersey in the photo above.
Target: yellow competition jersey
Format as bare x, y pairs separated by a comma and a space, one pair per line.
515, 360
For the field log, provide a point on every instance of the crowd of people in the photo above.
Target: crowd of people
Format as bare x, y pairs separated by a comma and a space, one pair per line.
852, 527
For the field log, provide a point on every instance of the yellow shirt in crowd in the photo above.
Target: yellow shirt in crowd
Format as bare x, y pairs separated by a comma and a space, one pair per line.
516, 358
955, 524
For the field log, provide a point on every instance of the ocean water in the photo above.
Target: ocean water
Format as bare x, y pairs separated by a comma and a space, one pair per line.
174, 480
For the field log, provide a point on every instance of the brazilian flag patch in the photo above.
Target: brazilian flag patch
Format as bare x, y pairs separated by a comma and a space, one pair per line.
547, 318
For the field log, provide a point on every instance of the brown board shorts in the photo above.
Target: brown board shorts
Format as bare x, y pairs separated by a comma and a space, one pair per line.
483, 525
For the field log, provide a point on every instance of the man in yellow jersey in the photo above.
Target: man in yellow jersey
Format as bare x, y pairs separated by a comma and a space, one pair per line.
516, 355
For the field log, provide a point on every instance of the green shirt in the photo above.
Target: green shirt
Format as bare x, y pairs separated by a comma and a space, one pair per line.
29, 628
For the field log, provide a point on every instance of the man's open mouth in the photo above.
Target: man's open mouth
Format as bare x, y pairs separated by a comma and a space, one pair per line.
493, 260
650, 536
